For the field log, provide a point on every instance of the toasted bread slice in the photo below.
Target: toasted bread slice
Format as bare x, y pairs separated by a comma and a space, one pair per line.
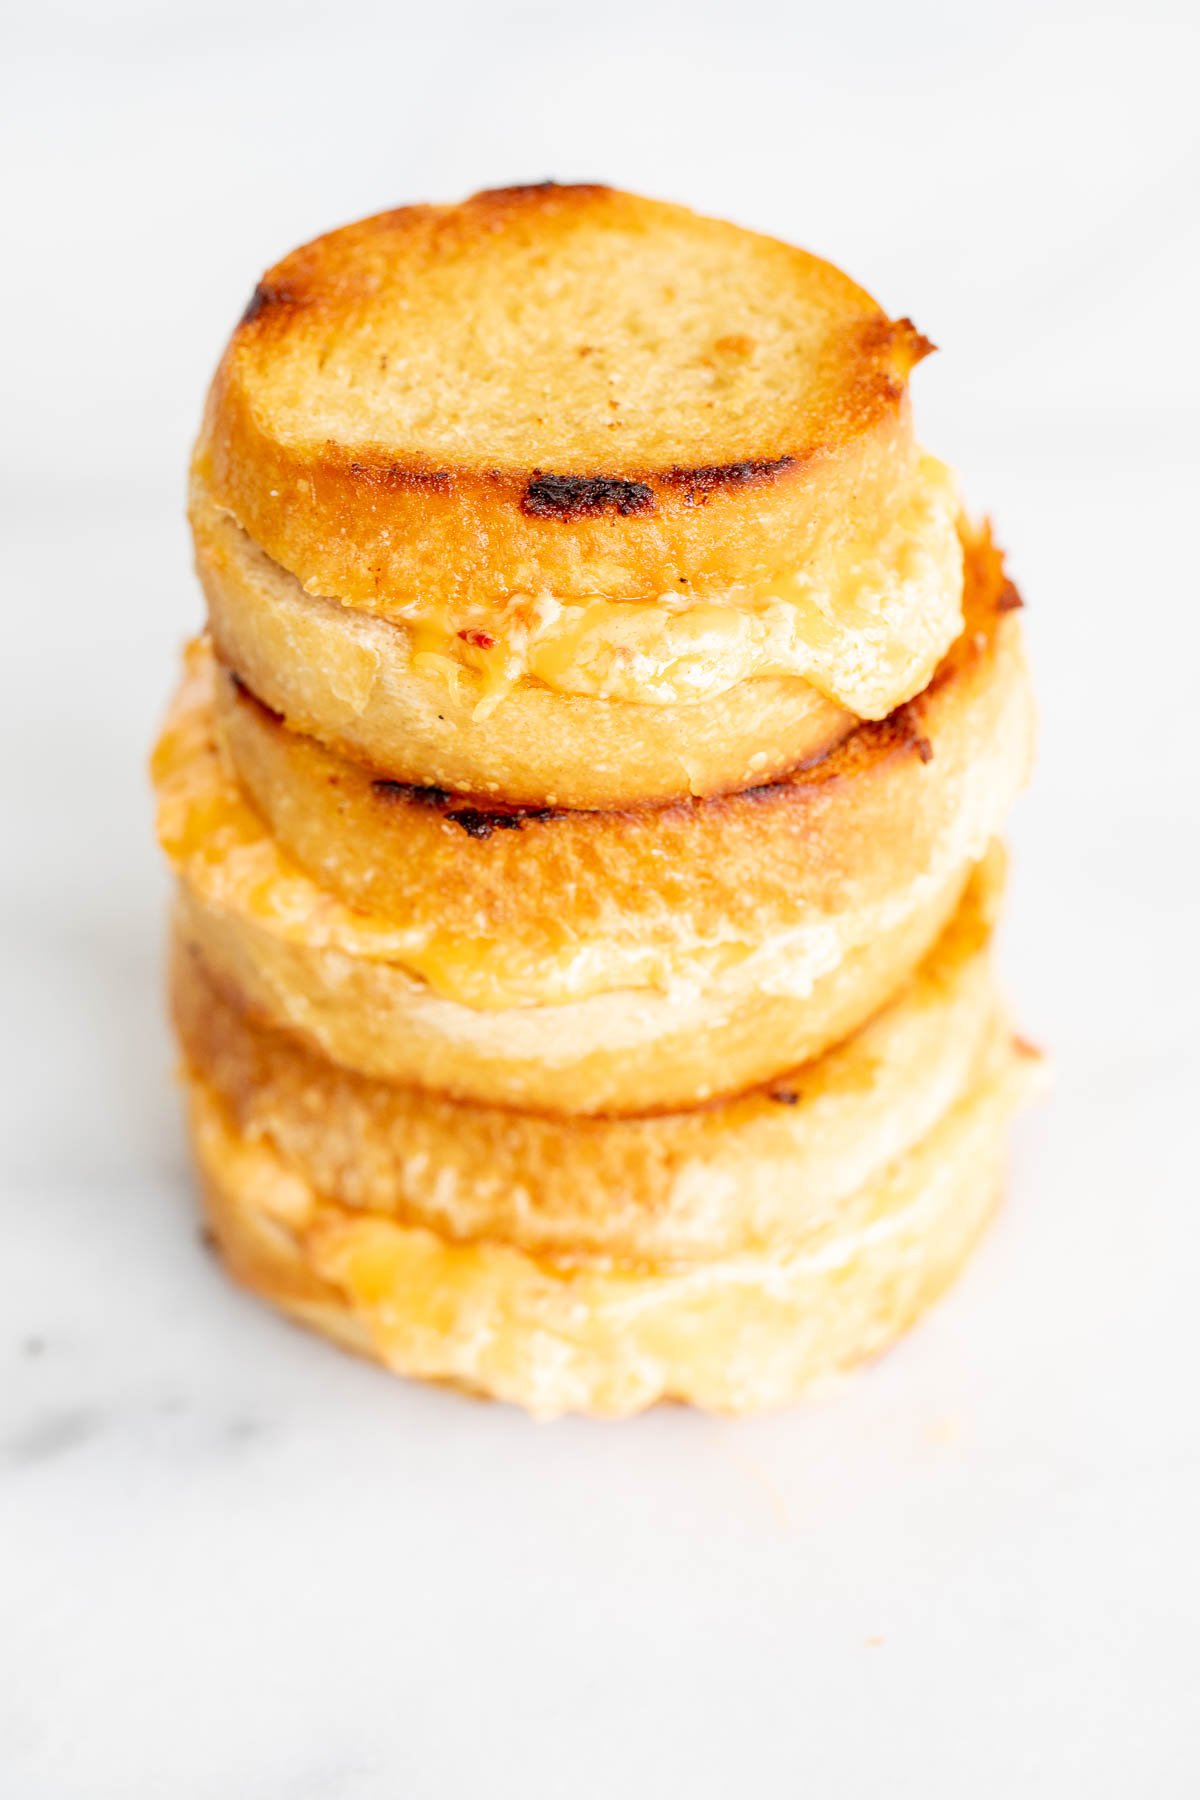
563, 390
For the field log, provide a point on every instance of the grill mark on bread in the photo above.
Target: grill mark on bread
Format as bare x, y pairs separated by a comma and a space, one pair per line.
697, 486
476, 821
401, 475
478, 824
898, 734
566, 497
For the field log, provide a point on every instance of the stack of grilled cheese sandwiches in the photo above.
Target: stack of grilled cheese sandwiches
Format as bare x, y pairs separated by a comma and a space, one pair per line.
584, 806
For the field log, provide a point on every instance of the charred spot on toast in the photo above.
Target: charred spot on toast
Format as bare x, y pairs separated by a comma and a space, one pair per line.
402, 475
476, 821
697, 486
479, 824
565, 497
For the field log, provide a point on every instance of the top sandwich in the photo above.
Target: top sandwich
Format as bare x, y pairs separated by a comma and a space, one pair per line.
566, 437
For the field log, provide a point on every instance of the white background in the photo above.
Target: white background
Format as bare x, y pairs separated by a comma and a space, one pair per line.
236, 1564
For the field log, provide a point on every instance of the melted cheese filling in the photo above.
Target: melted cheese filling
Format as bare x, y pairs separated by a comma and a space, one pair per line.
865, 622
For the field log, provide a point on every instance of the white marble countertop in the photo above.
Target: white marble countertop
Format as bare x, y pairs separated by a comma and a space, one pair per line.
235, 1563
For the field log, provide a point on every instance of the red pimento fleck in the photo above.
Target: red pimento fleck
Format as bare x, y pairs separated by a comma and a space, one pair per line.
481, 639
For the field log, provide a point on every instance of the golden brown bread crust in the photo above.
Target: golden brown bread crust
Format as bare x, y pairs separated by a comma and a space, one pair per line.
559, 388
714, 1182
738, 1335
530, 891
